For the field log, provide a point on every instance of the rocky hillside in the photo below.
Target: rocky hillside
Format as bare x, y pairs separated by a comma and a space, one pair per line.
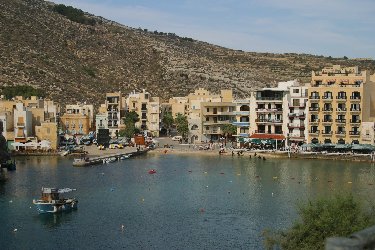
80, 62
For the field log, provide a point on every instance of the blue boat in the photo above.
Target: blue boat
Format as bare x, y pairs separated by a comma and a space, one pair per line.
53, 202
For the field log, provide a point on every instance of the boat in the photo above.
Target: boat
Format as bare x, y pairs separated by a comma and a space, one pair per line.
109, 160
125, 157
53, 202
65, 153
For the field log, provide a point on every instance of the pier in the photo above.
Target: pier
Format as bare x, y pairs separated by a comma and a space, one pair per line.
85, 161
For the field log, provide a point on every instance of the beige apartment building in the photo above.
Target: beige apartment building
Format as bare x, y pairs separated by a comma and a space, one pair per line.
148, 110
215, 113
340, 99
242, 121
115, 109
47, 131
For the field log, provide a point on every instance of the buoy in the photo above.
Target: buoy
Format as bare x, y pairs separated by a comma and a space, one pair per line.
112, 189
143, 199
275, 177
122, 227
272, 194
221, 173
202, 210
349, 182
152, 171
206, 186
190, 171
10, 201
205, 172
230, 181
15, 230
238, 174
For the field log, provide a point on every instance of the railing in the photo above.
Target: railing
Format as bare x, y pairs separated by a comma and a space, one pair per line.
268, 120
327, 120
314, 120
313, 108
341, 97
269, 98
340, 120
260, 131
314, 132
341, 110
327, 132
355, 121
364, 239
353, 132
20, 124
314, 97
327, 97
327, 109
340, 132
292, 125
355, 110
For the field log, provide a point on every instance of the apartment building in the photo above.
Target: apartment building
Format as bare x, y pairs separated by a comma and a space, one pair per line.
77, 119
340, 99
48, 131
148, 110
270, 111
22, 123
242, 121
215, 113
298, 112
7, 119
115, 109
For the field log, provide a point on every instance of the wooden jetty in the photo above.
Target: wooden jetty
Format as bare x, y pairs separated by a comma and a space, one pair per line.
85, 161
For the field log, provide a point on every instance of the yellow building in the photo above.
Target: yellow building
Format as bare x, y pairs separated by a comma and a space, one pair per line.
47, 131
216, 113
75, 124
148, 110
340, 99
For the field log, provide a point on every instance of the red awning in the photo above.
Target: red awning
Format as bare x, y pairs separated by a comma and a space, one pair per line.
267, 136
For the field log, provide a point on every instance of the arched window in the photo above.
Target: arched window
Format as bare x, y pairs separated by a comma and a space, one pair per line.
245, 108
194, 127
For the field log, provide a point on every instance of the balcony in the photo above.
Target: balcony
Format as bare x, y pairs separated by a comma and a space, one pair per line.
314, 120
301, 105
340, 133
327, 98
260, 131
340, 109
264, 120
314, 132
354, 133
314, 97
327, 109
212, 131
266, 98
268, 110
343, 98
217, 122
299, 115
314, 109
341, 120
356, 110
327, 120
355, 121
355, 98
292, 125
20, 124
327, 132
244, 113
241, 124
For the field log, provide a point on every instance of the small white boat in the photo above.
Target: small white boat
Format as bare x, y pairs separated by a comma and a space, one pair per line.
109, 160
52, 202
124, 157
65, 153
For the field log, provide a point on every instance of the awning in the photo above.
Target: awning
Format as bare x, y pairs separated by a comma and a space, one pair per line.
267, 136
365, 147
343, 146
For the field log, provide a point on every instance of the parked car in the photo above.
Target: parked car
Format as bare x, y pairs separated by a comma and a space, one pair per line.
177, 138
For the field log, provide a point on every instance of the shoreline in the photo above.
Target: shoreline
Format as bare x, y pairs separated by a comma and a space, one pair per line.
92, 151
269, 154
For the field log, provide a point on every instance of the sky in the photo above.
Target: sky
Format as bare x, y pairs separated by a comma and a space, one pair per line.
334, 28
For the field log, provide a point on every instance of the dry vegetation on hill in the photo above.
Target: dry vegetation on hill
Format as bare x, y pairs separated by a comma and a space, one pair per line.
80, 62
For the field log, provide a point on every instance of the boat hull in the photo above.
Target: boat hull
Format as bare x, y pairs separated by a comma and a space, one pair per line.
46, 207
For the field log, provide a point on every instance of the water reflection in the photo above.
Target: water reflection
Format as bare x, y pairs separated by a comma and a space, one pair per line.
52, 221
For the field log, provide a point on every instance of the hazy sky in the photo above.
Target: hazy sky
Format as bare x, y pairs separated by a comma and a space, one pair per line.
322, 27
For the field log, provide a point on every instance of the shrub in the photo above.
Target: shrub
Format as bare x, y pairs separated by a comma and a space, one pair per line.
73, 14
341, 215
21, 90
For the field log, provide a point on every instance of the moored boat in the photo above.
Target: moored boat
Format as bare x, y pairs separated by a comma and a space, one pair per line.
53, 202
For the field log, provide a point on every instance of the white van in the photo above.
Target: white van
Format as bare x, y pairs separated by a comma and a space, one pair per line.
177, 138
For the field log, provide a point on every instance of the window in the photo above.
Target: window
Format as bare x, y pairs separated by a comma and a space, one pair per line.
208, 109
207, 119
295, 90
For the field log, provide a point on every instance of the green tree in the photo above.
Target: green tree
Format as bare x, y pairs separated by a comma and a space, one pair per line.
168, 121
182, 125
130, 119
229, 129
340, 215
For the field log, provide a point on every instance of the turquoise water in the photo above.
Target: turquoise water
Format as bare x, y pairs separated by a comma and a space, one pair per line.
190, 203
